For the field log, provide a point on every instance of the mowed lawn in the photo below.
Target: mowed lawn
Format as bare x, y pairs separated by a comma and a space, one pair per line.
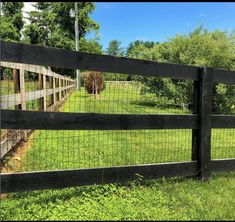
170, 199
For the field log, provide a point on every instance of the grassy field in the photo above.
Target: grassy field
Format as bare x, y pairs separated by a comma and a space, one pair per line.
171, 199
61, 149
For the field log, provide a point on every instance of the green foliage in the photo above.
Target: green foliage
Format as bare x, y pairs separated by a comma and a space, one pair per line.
133, 45
52, 25
224, 100
11, 21
170, 91
8, 32
114, 48
115, 77
6, 73
200, 48
11, 25
90, 46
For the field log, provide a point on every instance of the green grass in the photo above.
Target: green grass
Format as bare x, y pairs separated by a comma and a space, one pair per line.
163, 199
116, 98
73, 149
170, 199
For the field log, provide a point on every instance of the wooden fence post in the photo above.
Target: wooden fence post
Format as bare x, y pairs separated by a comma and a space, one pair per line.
53, 87
22, 95
42, 85
65, 94
205, 104
60, 85
16, 82
67, 83
22, 87
57, 86
19, 87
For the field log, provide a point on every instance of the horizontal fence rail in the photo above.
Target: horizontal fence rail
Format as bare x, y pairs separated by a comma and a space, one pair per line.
39, 55
81, 177
34, 69
14, 119
222, 165
15, 99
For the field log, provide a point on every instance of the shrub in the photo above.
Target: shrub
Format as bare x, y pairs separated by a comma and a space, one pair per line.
94, 82
6, 74
223, 99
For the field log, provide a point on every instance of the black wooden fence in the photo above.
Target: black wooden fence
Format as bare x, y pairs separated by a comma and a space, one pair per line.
201, 122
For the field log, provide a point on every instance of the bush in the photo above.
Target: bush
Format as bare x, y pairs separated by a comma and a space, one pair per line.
6, 74
151, 99
175, 92
116, 77
223, 100
94, 82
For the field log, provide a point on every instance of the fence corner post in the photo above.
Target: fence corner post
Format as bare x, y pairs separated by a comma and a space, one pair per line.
205, 107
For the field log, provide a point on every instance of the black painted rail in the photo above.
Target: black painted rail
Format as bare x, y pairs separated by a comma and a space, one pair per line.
38, 120
40, 55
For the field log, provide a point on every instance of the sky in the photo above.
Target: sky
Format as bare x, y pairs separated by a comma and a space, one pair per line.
154, 21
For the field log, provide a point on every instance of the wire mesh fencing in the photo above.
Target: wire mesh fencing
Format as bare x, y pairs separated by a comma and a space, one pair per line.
109, 93
223, 140
118, 94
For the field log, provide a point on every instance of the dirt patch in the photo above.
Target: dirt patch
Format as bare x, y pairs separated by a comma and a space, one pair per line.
13, 161
6, 133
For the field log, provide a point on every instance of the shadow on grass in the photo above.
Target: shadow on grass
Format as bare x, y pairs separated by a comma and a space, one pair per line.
160, 106
85, 193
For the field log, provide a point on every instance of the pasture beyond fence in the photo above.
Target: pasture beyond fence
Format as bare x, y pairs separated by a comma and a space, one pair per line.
116, 136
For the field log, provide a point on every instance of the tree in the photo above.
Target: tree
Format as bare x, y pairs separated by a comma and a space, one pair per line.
11, 20
133, 45
114, 48
90, 46
200, 48
11, 24
51, 25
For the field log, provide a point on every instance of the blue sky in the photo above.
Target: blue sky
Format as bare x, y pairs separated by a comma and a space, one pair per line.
151, 21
